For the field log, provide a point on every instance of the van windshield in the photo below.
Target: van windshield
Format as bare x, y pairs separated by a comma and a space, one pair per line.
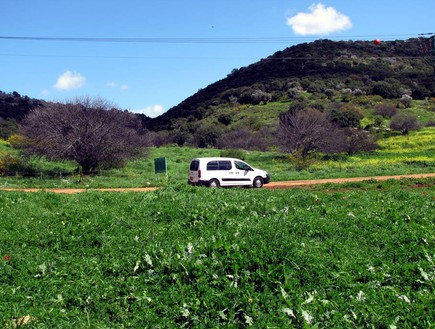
242, 166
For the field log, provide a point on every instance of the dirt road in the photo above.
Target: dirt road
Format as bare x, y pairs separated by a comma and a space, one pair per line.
272, 185
299, 183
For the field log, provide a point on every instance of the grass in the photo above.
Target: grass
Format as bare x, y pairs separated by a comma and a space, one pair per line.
200, 258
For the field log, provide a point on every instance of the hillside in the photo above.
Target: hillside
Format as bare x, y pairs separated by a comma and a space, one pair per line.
389, 70
14, 106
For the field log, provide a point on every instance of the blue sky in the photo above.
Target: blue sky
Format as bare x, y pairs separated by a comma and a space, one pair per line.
147, 56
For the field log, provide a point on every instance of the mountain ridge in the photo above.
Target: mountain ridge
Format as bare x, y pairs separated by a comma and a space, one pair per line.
389, 69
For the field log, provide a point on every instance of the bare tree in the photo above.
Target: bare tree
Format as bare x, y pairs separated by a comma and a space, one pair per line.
357, 140
305, 131
385, 110
87, 130
404, 123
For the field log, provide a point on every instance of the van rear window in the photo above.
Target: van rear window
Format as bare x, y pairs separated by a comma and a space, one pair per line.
219, 165
194, 165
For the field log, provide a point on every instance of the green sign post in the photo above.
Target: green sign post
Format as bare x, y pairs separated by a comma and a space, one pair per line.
160, 165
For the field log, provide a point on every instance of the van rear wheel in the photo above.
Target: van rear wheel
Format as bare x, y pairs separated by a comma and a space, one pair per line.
258, 182
213, 183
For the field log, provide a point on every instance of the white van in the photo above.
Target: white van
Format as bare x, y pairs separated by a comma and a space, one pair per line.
215, 172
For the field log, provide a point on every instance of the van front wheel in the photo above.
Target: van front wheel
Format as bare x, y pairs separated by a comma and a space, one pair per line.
258, 182
213, 183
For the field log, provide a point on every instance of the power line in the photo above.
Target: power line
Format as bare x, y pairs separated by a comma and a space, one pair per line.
250, 40
230, 40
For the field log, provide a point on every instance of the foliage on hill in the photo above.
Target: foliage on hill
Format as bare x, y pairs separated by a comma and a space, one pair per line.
14, 106
390, 70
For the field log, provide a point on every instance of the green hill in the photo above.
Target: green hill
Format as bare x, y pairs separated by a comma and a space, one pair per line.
320, 68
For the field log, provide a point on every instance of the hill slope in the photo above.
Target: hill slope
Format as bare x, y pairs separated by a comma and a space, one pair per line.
14, 106
390, 70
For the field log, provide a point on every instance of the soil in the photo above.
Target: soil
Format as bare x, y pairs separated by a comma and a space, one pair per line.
271, 185
300, 183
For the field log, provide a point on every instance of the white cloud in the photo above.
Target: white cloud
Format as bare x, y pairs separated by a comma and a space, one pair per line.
320, 20
116, 85
70, 80
151, 111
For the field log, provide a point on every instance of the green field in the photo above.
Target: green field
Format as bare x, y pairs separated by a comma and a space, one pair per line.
359, 255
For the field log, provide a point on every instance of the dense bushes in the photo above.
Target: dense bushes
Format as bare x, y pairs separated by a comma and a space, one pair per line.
234, 153
12, 164
7, 127
346, 116
243, 138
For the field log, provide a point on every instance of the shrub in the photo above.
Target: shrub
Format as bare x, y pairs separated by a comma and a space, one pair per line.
255, 97
206, 135
11, 164
242, 138
301, 162
386, 89
329, 93
404, 123
385, 110
7, 162
7, 127
234, 153
406, 101
19, 141
182, 137
347, 116
358, 140
225, 119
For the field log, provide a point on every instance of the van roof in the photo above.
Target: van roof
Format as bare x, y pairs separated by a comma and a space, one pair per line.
215, 159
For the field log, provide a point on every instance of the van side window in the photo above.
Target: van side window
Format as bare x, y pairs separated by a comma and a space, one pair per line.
219, 165
212, 165
225, 165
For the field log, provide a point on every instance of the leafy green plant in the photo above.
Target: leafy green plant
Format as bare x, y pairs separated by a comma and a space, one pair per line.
198, 257
234, 153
